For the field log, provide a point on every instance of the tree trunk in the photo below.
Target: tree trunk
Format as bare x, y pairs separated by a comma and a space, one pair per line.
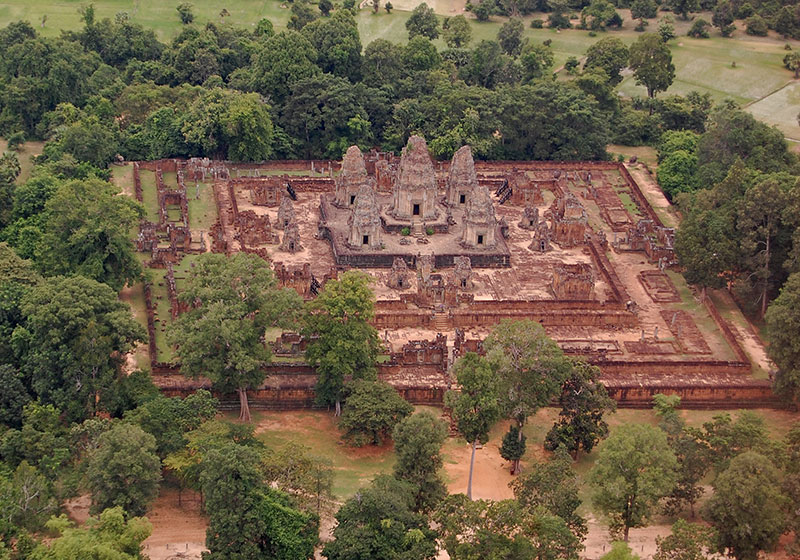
471, 467
515, 470
766, 278
625, 533
244, 406
338, 410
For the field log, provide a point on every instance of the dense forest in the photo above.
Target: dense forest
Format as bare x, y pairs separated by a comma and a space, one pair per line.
72, 422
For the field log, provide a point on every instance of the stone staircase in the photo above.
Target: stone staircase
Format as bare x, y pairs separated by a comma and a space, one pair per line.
417, 230
441, 321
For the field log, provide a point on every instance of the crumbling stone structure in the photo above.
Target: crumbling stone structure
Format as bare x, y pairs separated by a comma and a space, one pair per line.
415, 189
285, 212
569, 221
530, 218
657, 242
291, 239
365, 221
480, 224
266, 191
461, 179
399, 275
541, 238
524, 191
573, 281
462, 273
352, 177
254, 229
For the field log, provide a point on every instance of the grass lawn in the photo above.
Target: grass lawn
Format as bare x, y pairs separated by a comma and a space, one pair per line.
162, 319
202, 208
25, 154
149, 194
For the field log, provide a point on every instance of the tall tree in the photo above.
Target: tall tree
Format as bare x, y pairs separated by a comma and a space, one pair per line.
73, 342
423, 22
651, 62
510, 36
338, 44
417, 443
530, 368
345, 346
610, 54
475, 405
280, 62
584, 401
87, 232
747, 507
688, 541
783, 332
232, 301
124, 470
634, 470
457, 32
372, 411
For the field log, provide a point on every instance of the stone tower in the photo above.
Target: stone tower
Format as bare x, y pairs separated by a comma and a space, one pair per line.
480, 224
414, 192
462, 178
351, 178
365, 221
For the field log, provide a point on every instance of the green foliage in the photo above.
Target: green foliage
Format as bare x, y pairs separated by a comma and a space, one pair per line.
476, 407
783, 331
644, 9
124, 470
26, 501
688, 541
280, 62
699, 29
666, 31
651, 62
417, 442
599, 14
372, 411
674, 140
723, 17
553, 486
634, 470
87, 232
536, 61
457, 33
221, 337
583, 401
73, 341
513, 446
308, 479
108, 536
510, 37
619, 551
302, 14
504, 529
611, 55
423, 22
185, 12
42, 441
677, 172
380, 522
337, 43
683, 7
756, 25
746, 508
346, 345
792, 62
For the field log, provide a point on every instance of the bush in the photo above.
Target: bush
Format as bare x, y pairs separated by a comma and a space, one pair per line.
537, 23
405, 231
429, 230
558, 21
16, 140
699, 29
371, 412
513, 447
641, 25
755, 25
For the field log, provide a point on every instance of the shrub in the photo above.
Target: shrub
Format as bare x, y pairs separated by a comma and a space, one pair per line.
755, 25
699, 29
405, 231
371, 412
16, 140
537, 23
429, 230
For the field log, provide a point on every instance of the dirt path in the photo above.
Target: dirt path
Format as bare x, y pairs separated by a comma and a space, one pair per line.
178, 532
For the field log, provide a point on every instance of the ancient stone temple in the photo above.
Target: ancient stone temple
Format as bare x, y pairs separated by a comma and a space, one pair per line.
365, 221
352, 177
541, 238
569, 221
399, 275
480, 224
414, 192
291, 239
573, 281
461, 179
530, 218
285, 212
462, 273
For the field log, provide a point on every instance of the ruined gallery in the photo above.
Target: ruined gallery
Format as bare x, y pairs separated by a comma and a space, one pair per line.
453, 248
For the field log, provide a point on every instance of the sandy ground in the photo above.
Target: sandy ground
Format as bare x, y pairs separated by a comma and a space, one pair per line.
178, 531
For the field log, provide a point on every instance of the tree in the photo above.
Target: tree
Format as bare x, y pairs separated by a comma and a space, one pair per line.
510, 37
124, 470
634, 470
87, 232
486, 529
688, 541
583, 401
620, 551
666, 31
530, 368
338, 44
513, 447
283, 60
185, 12
783, 332
792, 62
380, 522
611, 55
417, 443
644, 9
302, 15
747, 507
699, 29
26, 501
306, 478
599, 14
553, 485
756, 25
651, 62
723, 17
346, 345
457, 33
325, 7
683, 7
536, 60
14, 396
109, 535
233, 300
476, 406
483, 10
372, 411
791, 486
73, 342
247, 519
677, 173
388, 7
423, 22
